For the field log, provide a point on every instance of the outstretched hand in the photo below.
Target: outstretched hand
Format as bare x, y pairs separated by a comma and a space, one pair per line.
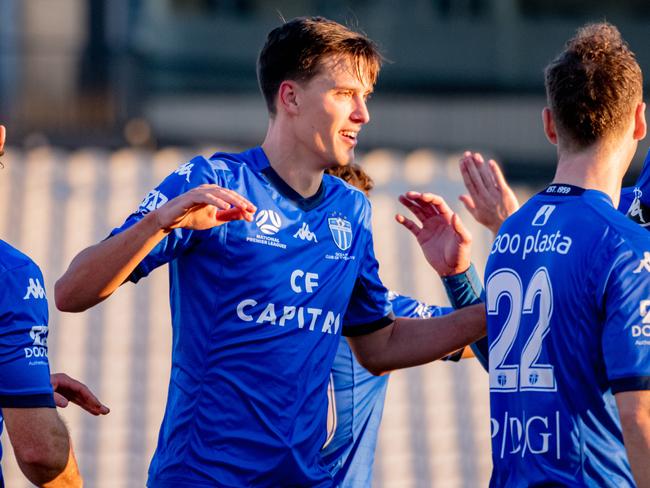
204, 207
490, 199
67, 389
443, 238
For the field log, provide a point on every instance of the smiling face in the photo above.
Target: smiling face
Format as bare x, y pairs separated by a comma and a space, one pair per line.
331, 112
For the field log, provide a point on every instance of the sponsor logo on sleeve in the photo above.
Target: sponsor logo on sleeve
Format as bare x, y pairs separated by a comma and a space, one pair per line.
642, 332
34, 290
637, 211
152, 201
38, 349
185, 170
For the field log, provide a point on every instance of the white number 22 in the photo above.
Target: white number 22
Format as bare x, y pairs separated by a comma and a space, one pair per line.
527, 375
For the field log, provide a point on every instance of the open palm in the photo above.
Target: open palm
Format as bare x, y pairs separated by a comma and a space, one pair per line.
445, 242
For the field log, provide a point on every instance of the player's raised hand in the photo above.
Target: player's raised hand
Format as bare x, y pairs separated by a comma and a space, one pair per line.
204, 207
444, 240
68, 389
490, 199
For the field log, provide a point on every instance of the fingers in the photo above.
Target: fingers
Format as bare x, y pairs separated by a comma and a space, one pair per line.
468, 201
230, 197
461, 230
60, 400
232, 214
426, 205
473, 172
409, 224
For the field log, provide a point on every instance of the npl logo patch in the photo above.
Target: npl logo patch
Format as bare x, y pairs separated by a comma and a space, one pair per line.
268, 221
341, 230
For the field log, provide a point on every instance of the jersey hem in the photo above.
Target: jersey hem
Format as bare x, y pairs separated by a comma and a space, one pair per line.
369, 328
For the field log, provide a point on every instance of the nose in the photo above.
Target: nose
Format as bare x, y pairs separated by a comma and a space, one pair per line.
360, 113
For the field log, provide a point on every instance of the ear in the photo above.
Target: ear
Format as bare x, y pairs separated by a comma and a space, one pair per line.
549, 126
640, 126
288, 97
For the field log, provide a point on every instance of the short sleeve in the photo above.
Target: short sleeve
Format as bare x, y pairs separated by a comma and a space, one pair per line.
626, 332
369, 308
24, 366
189, 175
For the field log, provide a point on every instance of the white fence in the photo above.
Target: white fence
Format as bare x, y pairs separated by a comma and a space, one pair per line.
53, 203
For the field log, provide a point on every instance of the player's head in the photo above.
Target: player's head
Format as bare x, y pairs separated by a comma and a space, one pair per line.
354, 175
316, 75
594, 91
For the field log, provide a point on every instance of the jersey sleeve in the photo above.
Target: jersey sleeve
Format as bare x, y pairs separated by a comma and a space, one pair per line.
369, 308
24, 366
194, 173
626, 332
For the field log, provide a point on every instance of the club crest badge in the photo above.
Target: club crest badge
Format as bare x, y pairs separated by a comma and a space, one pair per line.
341, 230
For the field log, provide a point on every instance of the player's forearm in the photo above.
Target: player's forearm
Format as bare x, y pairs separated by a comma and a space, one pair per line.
96, 272
634, 412
411, 342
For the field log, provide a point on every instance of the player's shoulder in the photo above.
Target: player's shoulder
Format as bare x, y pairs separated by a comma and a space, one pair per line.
12, 260
339, 189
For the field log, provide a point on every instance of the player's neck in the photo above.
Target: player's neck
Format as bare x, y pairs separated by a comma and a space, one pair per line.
298, 170
600, 167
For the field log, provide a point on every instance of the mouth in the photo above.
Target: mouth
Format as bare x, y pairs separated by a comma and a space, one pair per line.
349, 135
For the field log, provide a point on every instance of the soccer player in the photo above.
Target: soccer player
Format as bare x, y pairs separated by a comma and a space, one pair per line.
357, 402
28, 394
567, 289
267, 268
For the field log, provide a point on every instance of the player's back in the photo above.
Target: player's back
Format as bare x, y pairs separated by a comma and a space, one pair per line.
564, 281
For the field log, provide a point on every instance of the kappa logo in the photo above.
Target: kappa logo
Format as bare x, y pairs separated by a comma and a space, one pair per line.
305, 234
643, 264
268, 221
341, 230
185, 170
542, 215
152, 201
636, 210
34, 289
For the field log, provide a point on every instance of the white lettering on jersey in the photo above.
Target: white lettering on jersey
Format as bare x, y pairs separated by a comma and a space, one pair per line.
535, 435
34, 289
305, 234
644, 263
532, 244
330, 324
311, 281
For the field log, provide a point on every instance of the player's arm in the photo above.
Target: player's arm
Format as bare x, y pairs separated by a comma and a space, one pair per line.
42, 446
634, 410
96, 272
490, 200
411, 342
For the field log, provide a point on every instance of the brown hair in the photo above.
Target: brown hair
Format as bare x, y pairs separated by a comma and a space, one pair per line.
353, 174
593, 86
296, 49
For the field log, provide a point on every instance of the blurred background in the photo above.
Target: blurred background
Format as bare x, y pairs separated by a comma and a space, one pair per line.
102, 99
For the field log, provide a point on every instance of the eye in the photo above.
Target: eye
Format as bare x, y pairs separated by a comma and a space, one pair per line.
367, 97
345, 93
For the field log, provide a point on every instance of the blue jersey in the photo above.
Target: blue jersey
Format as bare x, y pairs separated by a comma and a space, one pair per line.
24, 368
567, 288
257, 313
358, 404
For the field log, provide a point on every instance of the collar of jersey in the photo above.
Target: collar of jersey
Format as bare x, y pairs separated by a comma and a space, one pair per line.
305, 204
576, 191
